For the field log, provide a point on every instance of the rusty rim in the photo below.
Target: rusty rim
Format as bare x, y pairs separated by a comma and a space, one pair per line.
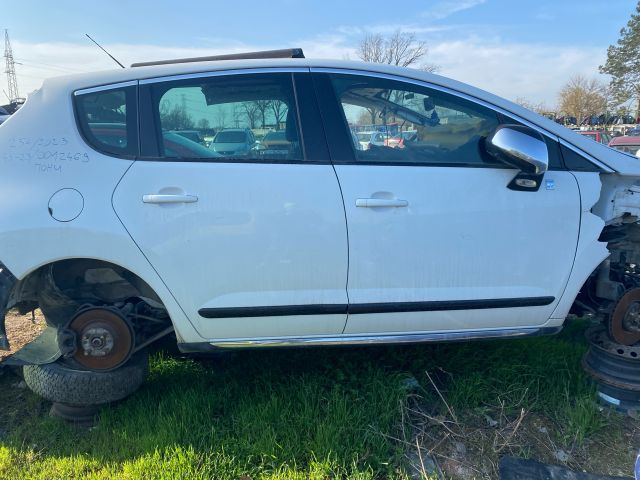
627, 311
105, 339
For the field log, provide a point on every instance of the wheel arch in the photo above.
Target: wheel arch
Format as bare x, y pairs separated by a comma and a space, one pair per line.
142, 281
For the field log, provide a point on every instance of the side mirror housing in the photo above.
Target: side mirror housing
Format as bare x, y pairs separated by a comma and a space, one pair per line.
520, 147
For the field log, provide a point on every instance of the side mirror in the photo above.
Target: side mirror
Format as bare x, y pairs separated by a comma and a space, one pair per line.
520, 147
428, 104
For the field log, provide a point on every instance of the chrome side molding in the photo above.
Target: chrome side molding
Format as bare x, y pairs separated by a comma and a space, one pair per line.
381, 339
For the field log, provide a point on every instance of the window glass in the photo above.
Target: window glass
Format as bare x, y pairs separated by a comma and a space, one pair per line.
396, 122
576, 162
108, 120
236, 117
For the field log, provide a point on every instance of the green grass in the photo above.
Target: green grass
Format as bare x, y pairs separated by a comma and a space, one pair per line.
316, 413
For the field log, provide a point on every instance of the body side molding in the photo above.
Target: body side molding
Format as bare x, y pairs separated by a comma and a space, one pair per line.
364, 308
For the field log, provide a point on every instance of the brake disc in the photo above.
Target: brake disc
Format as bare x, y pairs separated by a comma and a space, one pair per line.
624, 321
105, 339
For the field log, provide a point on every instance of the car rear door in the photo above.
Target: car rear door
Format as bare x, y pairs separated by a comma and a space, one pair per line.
437, 239
250, 245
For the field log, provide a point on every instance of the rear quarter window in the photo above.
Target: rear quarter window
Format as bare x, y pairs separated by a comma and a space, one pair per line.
107, 120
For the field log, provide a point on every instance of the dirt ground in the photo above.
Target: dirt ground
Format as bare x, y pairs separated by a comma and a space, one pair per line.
21, 329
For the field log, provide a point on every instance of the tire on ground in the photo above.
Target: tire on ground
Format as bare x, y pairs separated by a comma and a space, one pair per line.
63, 383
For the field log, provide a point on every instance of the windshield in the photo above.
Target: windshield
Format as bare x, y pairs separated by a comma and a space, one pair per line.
271, 136
231, 137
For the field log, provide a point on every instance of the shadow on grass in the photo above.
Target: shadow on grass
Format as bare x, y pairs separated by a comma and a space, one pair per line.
329, 412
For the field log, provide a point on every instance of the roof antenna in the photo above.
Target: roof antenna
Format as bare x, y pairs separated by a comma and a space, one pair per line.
112, 57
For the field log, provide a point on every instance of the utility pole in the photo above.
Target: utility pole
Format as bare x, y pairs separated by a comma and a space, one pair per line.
10, 70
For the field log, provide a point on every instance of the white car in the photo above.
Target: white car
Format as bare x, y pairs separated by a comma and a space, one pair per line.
367, 139
492, 222
233, 142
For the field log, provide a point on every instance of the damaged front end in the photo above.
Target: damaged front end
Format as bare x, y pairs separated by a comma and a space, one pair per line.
612, 294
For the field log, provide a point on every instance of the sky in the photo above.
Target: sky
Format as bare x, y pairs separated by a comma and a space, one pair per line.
514, 48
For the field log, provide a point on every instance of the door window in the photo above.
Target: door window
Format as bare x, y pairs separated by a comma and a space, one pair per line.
414, 124
250, 118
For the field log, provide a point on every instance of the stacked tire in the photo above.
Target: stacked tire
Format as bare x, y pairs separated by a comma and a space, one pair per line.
615, 369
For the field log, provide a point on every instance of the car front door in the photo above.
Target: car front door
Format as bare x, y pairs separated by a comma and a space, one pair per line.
437, 240
253, 244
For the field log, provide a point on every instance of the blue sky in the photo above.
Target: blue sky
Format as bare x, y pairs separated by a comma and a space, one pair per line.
517, 48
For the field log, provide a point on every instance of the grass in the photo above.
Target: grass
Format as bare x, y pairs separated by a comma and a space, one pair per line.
281, 414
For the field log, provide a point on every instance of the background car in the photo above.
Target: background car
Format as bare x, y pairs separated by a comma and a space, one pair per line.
179, 146
597, 135
193, 135
367, 139
626, 144
233, 142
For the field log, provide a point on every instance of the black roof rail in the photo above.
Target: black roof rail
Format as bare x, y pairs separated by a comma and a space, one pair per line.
282, 53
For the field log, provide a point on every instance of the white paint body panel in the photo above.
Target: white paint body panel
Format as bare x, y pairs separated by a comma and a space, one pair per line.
259, 235
463, 236
590, 251
39, 157
264, 235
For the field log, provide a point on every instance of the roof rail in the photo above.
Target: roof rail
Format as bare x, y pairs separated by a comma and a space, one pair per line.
282, 53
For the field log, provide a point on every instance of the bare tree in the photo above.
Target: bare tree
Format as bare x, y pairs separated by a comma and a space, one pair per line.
534, 107
582, 98
203, 124
262, 106
401, 49
221, 117
279, 109
237, 114
175, 116
251, 111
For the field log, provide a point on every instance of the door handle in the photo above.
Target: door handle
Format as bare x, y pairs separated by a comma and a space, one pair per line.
166, 198
380, 202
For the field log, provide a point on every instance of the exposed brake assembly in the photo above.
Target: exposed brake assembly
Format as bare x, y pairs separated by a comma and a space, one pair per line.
613, 358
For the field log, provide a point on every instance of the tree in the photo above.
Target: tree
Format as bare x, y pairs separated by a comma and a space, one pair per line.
203, 124
251, 111
262, 106
534, 107
400, 49
582, 98
279, 109
221, 117
623, 63
175, 117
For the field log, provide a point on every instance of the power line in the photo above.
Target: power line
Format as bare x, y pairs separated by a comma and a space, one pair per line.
46, 66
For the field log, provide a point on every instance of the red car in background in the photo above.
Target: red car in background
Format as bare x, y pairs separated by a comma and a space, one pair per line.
597, 135
627, 144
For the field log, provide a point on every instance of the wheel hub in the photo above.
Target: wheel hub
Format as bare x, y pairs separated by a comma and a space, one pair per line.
97, 341
105, 338
624, 322
631, 320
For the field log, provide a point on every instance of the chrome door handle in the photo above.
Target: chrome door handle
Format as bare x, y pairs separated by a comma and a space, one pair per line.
380, 202
165, 198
